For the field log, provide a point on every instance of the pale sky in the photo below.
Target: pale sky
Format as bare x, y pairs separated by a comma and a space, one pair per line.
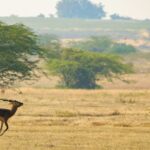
139, 9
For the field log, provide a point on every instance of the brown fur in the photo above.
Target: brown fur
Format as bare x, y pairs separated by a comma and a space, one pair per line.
5, 114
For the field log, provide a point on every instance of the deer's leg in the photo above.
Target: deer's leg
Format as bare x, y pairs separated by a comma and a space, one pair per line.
6, 124
1, 126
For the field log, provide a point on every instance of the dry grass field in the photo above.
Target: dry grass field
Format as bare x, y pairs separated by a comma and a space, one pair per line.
79, 120
117, 118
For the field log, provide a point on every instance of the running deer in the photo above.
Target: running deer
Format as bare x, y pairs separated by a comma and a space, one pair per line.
5, 114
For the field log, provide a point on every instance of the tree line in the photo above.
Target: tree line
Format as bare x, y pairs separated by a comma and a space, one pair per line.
21, 50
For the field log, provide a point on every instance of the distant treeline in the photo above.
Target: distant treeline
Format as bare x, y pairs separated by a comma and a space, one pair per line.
78, 28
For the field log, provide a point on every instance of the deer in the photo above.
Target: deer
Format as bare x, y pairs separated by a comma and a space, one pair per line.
6, 114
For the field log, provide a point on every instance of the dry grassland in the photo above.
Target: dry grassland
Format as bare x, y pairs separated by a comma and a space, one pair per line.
79, 120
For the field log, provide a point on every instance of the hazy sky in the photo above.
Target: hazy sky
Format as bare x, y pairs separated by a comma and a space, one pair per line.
134, 8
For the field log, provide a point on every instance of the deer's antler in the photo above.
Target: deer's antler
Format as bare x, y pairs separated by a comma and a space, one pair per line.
7, 100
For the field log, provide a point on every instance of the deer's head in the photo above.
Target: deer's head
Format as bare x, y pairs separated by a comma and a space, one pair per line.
13, 102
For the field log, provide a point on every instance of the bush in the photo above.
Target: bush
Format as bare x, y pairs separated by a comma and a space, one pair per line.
123, 48
103, 44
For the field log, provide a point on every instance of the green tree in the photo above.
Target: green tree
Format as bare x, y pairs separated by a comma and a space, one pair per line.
19, 53
121, 48
79, 9
81, 69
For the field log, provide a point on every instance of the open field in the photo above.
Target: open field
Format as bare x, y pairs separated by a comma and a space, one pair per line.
79, 119
117, 118
78, 28
63, 23
136, 81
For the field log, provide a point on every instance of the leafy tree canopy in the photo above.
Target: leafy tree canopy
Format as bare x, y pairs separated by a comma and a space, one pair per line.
17, 48
79, 9
80, 69
121, 48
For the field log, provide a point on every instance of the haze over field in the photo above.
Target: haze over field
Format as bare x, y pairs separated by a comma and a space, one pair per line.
46, 7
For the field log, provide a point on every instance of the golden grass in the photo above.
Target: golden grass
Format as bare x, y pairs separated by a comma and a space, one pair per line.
79, 119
